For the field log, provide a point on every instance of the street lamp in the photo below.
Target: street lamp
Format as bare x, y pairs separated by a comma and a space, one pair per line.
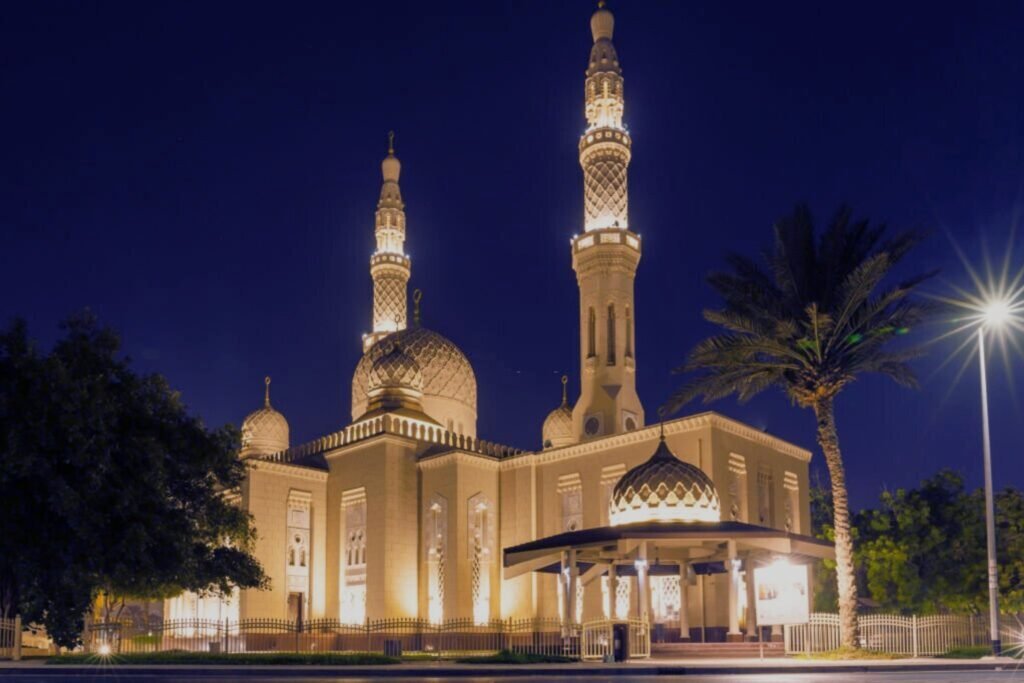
995, 314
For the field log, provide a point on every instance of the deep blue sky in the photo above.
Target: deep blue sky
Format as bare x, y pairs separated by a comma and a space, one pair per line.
204, 175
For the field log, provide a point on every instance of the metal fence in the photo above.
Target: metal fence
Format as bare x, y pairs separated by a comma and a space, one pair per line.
912, 636
10, 638
387, 636
597, 639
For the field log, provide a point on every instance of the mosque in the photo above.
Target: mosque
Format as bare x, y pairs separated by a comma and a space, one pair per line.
407, 513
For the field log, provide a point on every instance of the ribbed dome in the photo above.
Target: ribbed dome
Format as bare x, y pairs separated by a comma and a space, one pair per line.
557, 429
264, 431
664, 489
446, 372
394, 369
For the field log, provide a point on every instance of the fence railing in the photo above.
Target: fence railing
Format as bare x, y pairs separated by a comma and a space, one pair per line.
387, 636
912, 636
10, 638
597, 639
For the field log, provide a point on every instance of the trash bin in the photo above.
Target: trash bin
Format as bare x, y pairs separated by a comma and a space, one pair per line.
620, 642
392, 648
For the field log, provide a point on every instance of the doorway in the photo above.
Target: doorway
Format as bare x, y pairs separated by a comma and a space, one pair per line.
296, 602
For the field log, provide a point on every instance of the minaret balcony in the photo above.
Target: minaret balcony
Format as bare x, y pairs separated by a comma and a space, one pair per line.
606, 236
605, 136
385, 259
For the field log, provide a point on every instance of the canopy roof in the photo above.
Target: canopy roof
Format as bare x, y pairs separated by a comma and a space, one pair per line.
670, 544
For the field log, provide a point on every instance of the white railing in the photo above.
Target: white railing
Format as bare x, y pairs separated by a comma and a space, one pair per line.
912, 636
597, 639
10, 638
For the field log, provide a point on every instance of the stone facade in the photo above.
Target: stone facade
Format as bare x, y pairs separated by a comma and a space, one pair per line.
404, 512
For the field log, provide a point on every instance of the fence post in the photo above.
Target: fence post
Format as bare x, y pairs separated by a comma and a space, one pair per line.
913, 625
16, 652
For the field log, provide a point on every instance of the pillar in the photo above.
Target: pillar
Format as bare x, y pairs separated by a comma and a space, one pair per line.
642, 589
777, 636
573, 579
733, 565
613, 580
752, 630
684, 616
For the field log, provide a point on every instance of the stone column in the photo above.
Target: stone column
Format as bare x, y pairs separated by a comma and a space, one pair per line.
573, 579
684, 616
733, 565
613, 579
777, 636
642, 589
751, 604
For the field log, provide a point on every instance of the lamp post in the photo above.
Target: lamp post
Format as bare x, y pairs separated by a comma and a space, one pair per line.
995, 313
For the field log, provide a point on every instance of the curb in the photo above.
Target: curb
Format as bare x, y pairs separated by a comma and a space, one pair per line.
530, 670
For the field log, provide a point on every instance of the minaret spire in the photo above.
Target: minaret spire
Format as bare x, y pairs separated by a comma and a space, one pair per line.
606, 255
390, 267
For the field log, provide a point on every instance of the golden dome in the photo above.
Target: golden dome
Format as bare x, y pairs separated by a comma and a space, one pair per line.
264, 431
394, 369
445, 371
557, 429
664, 489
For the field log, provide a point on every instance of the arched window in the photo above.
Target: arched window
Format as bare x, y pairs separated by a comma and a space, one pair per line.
629, 332
591, 333
611, 334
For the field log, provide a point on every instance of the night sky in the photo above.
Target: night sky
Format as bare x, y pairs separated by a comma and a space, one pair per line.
204, 177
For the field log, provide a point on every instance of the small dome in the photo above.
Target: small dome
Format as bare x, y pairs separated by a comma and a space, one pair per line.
557, 429
393, 370
391, 167
264, 431
664, 489
602, 24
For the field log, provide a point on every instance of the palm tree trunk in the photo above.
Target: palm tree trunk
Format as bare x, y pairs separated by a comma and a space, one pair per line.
829, 442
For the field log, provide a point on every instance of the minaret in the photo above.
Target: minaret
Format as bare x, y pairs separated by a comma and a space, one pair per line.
606, 255
389, 266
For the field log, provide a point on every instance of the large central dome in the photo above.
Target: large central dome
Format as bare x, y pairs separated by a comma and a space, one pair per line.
448, 381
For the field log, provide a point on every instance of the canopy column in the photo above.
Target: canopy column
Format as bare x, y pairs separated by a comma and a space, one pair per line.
642, 588
734, 594
684, 615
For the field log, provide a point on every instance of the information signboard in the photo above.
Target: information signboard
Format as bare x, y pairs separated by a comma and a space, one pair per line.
781, 594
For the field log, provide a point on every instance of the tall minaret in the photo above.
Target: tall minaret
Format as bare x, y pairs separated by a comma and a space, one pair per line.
606, 255
389, 266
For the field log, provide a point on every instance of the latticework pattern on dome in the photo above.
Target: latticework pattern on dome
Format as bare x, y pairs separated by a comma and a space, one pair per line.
664, 489
445, 369
557, 429
264, 431
395, 368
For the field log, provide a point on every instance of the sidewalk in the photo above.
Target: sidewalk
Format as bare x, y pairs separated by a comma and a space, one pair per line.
659, 667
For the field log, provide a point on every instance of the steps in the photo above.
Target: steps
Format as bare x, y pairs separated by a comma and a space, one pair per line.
716, 650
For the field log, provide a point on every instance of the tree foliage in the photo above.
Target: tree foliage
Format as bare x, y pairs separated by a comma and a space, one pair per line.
815, 316
109, 485
923, 550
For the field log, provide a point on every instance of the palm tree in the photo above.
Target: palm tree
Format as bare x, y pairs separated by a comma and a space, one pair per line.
809, 322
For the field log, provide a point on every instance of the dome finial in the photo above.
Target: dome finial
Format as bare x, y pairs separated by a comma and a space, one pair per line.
417, 295
565, 382
661, 421
391, 142
266, 395
601, 4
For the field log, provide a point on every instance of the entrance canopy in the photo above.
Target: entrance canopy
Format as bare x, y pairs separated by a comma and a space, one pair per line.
661, 543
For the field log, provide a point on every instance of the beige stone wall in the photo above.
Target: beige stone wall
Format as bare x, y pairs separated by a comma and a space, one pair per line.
265, 496
386, 467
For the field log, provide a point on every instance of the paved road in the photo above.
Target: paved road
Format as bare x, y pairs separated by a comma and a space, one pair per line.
909, 677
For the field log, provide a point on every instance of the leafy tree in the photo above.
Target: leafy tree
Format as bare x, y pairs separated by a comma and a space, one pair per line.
110, 486
923, 549
810, 323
